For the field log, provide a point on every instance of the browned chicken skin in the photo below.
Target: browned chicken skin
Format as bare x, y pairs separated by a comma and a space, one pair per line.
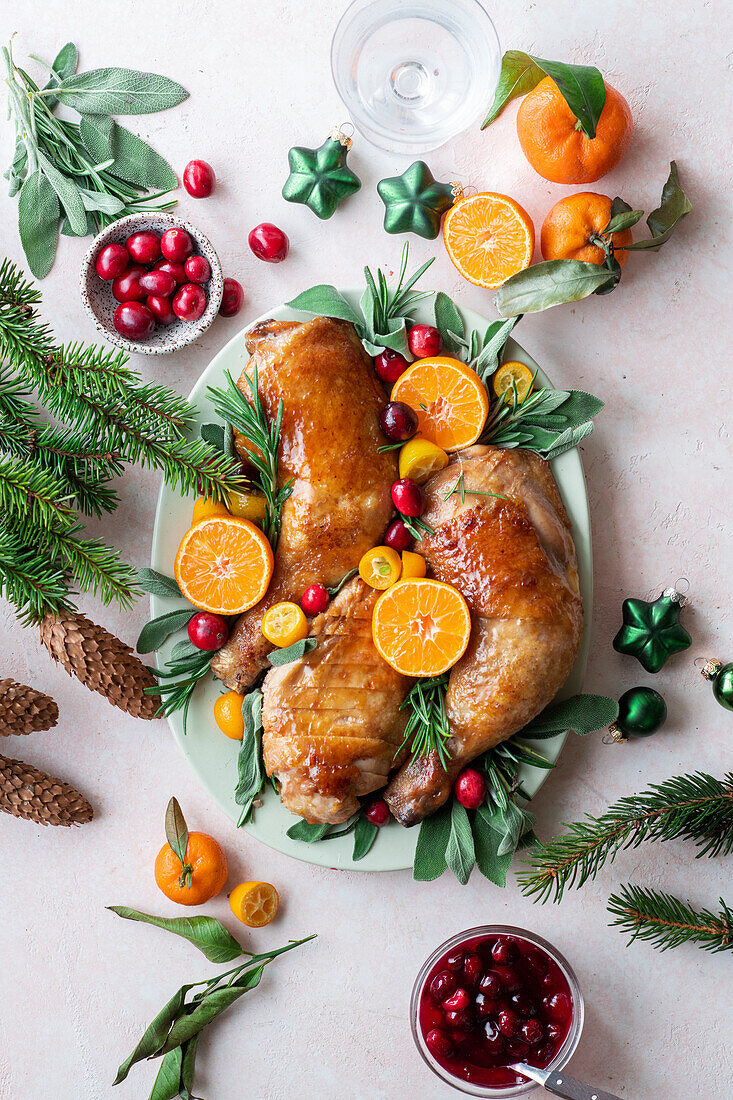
340, 504
514, 560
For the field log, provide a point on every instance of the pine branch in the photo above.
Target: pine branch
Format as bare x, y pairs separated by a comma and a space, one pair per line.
97, 568
32, 497
694, 807
30, 582
667, 922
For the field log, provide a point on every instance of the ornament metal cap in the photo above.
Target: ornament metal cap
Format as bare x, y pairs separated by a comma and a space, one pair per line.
711, 667
337, 134
673, 593
614, 736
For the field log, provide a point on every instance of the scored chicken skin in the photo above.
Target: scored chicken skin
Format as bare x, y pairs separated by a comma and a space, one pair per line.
340, 503
331, 720
514, 561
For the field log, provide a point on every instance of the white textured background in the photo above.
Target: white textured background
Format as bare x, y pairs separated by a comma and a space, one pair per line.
330, 1021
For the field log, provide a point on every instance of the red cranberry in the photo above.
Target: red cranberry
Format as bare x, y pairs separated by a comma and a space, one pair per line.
389, 365
398, 421
555, 1032
472, 968
189, 303
197, 269
144, 248
544, 1055
398, 536
457, 1001
112, 261
199, 179
176, 245
161, 309
470, 788
538, 961
438, 1043
517, 1049
493, 1039
491, 985
431, 1016
509, 978
442, 985
486, 1006
208, 631
505, 951
509, 1023
459, 1019
378, 813
315, 599
524, 1004
425, 341
159, 283
126, 287
557, 1007
454, 962
269, 243
533, 1032
232, 298
174, 269
134, 320
407, 497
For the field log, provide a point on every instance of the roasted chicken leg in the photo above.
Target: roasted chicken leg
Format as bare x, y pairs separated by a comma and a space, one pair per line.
513, 558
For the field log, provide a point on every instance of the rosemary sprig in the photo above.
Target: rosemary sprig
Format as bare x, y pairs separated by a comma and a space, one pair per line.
427, 725
463, 492
387, 305
416, 526
694, 807
667, 922
191, 667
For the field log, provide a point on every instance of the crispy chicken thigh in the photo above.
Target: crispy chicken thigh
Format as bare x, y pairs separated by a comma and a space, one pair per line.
340, 503
514, 561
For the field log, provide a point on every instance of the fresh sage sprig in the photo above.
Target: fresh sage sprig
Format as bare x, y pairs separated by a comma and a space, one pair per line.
364, 833
581, 86
294, 652
250, 767
480, 351
158, 584
206, 933
186, 667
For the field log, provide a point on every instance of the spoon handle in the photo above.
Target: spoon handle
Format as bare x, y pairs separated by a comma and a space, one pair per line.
561, 1084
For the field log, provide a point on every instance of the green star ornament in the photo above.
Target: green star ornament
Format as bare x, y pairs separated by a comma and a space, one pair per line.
415, 202
319, 178
652, 631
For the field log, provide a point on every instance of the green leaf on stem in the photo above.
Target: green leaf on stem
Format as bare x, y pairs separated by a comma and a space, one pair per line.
520, 73
154, 633
206, 933
582, 88
432, 840
364, 836
249, 762
292, 652
38, 220
62, 67
188, 1064
176, 830
663, 221
212, 1005
581, 713
134, 160
448, 322
158, 584
486, 842
114, 91
155, 1034
168, 1079
550, 283
460, 855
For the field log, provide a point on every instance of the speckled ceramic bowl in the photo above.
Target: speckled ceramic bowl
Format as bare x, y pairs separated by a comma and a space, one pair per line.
96, 293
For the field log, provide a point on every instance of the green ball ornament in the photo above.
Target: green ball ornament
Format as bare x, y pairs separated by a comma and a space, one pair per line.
415, 202
641, 712
721, 677
319, 178
651, 631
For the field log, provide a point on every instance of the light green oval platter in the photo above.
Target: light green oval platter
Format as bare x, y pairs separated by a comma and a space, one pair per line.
213, 756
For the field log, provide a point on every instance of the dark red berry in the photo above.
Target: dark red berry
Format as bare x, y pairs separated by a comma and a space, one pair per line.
544, 1055
389, 365
510, 978
199, 179
315, 599
424, 341
505, 951
457, 1001
538, 961
198, 269
161, 309
493, 1039
525, 1005
126, 287
174, 269
176, 245
207, 631
509, 1023
557, 1007
407, 497
486, 1006
517, 1049
472, 968
438, 1043
442, 985
398, 536
160, 283
555, 1032
377, 813
398, 421
144, 247
492, 985
460, 1019
134, 320
112, 261
470, 788
454, 962
189, 302
232, 298
533, 1032
269, 243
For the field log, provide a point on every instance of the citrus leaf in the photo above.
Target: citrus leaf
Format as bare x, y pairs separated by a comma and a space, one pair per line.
188, 1063
364, 836
292, 652
663, 221
432, 841
38, 219
176, 830
625, 220
168, 1079
134, 160
154, 633
212, 1005
155, 1034
550, 283
158, 584
582, 88
113, 91
206, 933
520, 73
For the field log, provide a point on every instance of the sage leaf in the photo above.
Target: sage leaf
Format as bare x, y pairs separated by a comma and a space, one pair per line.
324, 300
448, 322
334, 589
292, 652
364, 836
212, 1005
67, 231
496, 337
134, 160
432, 841
663, 221
98, 200
486, 845
158, 584
184, 649
550, 283
154, 633
249, 762
38, 218
460, 856
113, 91
582, 88
516, 822
213, 434
302, 830
577, 408
520, 73
583, 714
568, 439
155, 1034
176, 830
168, 1079
63, 66
67, 193
206, 933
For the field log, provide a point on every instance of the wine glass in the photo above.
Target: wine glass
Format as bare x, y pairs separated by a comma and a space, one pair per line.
414, 73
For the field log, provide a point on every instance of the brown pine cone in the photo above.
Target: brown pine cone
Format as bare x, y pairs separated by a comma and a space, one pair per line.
23, 709
27, 792
101, 661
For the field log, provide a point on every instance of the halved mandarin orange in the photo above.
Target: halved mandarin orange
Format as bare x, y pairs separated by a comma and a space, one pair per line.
254, 903
449, 399
224, 564
513, 380
488, 237
420, 459
284, 623
421, 626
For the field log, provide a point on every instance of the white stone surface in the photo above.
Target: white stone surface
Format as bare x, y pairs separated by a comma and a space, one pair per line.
77, 985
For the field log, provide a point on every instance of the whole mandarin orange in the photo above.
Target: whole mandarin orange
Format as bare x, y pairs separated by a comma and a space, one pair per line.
569, 227
203, 876
557, 148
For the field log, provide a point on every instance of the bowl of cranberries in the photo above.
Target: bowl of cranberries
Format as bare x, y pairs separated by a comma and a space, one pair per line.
152, 283
492, 996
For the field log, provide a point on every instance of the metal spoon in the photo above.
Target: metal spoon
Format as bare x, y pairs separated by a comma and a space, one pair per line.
561, 1084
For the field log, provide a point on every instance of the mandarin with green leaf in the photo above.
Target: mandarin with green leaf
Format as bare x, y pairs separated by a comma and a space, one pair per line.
573, 227
200, 878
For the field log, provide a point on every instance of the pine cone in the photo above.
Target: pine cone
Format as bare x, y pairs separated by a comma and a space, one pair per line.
23, 709
27, 792
101, 661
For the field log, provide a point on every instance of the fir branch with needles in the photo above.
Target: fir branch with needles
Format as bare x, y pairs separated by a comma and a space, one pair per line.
665, 921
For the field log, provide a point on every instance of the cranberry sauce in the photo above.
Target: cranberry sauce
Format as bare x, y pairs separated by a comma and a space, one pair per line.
491, 1001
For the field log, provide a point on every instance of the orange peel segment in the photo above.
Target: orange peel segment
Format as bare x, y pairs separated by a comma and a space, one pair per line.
449, 398
224, 564
488, 238
421, 626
